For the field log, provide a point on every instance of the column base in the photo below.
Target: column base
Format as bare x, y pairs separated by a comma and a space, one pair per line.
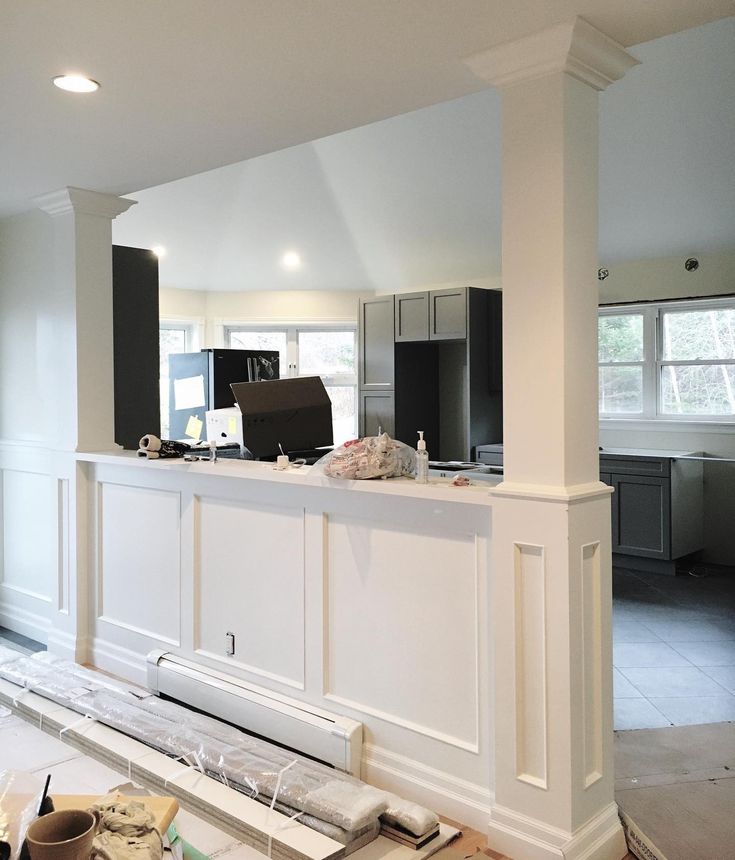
524, 838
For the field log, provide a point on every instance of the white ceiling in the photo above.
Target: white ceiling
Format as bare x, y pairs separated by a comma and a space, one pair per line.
189, 86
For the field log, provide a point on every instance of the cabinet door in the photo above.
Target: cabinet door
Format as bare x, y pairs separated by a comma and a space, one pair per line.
377, 412
376, 343
412, 317
448, 314
642, 516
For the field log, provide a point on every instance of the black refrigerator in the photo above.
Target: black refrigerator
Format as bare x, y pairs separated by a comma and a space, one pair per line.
199, 381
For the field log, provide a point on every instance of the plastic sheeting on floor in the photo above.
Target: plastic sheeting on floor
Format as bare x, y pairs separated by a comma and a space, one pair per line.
337, 805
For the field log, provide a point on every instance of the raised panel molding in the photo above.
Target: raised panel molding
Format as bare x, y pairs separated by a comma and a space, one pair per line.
376, 671
27, 509
530, 665
138, 560
591, 574
248, 579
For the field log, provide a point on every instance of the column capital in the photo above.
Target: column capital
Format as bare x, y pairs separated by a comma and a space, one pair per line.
79, 200
575, 47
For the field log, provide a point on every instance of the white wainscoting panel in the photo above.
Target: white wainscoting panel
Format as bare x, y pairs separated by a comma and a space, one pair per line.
29, 525
139, 570
401, 616
249, 580
530, 656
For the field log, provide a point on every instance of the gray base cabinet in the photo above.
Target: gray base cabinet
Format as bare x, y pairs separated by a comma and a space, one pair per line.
657, 509
377, 413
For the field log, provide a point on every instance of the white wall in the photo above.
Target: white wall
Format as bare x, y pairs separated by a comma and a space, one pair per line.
666, 278
26, 324
28, 492
216, 309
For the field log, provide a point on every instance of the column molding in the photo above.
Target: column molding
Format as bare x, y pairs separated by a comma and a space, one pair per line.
576, 48
79, 200
552, 594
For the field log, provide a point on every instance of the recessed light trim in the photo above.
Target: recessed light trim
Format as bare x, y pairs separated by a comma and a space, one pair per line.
75, 83
291, 260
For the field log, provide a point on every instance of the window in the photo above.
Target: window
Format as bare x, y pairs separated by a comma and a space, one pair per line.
172, 337
312, 351
673, 360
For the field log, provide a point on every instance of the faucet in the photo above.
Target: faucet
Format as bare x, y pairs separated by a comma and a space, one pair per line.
213, 452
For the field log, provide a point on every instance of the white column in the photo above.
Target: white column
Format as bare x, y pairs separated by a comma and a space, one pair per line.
551, 517
76, 368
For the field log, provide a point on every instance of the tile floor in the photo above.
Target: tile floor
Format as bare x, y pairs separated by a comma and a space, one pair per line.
673, 649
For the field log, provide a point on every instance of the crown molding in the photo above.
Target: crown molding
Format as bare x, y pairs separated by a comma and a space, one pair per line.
79, 200
576, 47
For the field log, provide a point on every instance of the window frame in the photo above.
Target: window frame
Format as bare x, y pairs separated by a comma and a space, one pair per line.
292, 329
653, 362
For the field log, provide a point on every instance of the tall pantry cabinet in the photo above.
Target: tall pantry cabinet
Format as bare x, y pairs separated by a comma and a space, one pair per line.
432, 361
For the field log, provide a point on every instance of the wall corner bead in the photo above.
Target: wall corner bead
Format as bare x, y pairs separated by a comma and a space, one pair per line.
79, 200
575, 47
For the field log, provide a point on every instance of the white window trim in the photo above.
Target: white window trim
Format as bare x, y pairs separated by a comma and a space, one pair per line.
194, 328
292, 330
651, 418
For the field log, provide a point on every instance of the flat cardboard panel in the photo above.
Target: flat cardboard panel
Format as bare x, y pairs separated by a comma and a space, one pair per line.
293, 413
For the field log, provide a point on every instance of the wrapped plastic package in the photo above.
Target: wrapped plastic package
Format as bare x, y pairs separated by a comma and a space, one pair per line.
333, 802
20, 795
371, 457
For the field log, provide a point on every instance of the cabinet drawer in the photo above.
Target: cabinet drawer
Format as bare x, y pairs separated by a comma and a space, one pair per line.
619, 464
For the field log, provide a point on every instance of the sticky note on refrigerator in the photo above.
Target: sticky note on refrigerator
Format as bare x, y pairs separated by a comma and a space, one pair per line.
194, 427
231, 426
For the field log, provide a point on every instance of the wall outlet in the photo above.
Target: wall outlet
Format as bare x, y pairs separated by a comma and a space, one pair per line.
230, 644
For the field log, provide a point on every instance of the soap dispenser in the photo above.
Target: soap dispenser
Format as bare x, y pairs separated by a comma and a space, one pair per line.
422, 460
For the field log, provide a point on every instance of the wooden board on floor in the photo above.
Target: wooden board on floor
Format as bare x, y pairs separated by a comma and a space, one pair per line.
164, 809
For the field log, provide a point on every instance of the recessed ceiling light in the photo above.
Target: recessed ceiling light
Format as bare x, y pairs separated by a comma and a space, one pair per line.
159, 251
291, 260
75, 83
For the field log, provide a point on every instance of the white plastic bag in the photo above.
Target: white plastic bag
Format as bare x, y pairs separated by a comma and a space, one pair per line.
20, 797
371, 457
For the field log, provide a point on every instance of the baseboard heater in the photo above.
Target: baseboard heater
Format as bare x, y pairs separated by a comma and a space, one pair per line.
329, 738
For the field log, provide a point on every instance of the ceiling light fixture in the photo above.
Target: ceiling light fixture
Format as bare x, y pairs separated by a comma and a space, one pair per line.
159, 251
75, 83
291, 260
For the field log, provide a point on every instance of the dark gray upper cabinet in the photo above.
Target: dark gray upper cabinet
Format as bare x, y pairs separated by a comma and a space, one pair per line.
376, 360
448, 314
412, 317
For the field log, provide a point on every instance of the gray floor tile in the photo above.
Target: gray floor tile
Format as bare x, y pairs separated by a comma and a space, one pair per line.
694, 710
622, 688
707, 653
705, 628
632, 631
646, 655
724, 675
637, 714
678, 682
